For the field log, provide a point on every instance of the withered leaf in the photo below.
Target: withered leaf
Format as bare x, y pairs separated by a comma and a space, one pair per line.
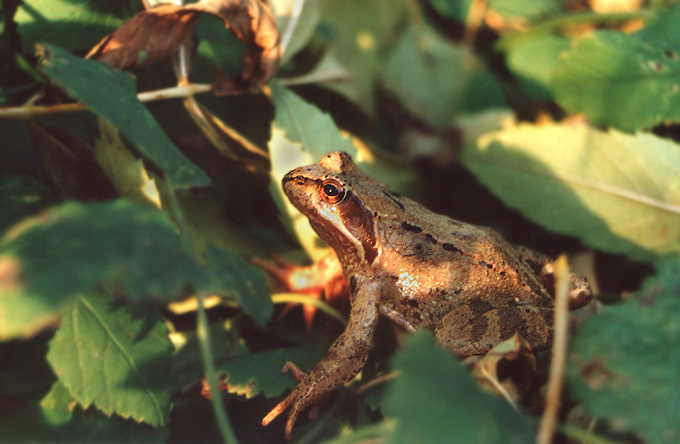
253, 22
156, 33
146, 38
510, 365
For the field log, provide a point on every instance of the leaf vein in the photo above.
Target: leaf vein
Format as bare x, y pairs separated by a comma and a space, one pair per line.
127, 357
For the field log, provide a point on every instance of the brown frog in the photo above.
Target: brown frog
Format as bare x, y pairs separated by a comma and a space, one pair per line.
419, 269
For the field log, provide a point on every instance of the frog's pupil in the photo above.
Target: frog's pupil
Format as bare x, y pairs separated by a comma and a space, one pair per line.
330, 190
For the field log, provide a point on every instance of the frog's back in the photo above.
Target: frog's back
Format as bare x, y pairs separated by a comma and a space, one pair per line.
437, 262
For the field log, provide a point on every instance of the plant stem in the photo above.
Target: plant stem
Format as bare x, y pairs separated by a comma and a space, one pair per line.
291, 25
553, 396
281, 298
223, 423
33, 111
203, 329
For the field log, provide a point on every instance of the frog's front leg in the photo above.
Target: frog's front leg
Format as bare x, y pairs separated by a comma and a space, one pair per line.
344, 359
475, 326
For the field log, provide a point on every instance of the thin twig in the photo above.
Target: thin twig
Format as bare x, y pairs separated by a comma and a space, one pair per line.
33, 111
291, 25
379, 380
553, 395
203, 331
296, 298
327, 76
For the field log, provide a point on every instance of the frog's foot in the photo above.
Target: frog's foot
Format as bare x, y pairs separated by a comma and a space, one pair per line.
323, 279
298, 400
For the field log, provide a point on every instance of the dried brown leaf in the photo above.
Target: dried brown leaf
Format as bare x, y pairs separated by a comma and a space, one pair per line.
508, 368
146, 38
253, 22
156, 33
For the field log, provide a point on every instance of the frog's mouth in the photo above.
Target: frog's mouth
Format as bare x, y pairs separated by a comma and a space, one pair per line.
348, 227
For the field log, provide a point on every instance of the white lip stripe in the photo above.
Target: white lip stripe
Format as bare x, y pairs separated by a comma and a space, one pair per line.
335, 220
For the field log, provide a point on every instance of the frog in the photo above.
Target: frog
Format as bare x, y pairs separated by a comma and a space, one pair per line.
419, 269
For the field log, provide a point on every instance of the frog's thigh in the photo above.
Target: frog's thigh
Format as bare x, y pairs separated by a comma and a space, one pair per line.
471, 330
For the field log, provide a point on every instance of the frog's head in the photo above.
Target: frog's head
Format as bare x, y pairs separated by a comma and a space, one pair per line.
328, 193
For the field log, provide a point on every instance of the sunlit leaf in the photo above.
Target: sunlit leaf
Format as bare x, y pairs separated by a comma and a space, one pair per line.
614, 191
301, 134
626, 360
127, 173
72, 24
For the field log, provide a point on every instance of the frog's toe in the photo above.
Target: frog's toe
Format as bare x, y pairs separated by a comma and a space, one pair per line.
276, 411
292, 417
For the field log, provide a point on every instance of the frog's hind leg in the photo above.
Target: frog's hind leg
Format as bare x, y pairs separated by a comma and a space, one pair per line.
474, 327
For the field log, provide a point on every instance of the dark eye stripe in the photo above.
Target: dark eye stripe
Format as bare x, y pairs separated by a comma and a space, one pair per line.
359, 222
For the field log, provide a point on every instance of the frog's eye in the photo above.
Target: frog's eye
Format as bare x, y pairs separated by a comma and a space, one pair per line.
332, 191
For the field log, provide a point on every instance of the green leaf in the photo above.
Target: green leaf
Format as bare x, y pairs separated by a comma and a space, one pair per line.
126, 173
187, 361
524, 8
114, 357
534, 60
73, 24
303, 124
73, 247
360, 33
457, 10
21, 196
614, 191
57, 418
111, 94
229, 275
434, 399
436, 80
257, 373
301, 135
626, 360
220, 45
621, 80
